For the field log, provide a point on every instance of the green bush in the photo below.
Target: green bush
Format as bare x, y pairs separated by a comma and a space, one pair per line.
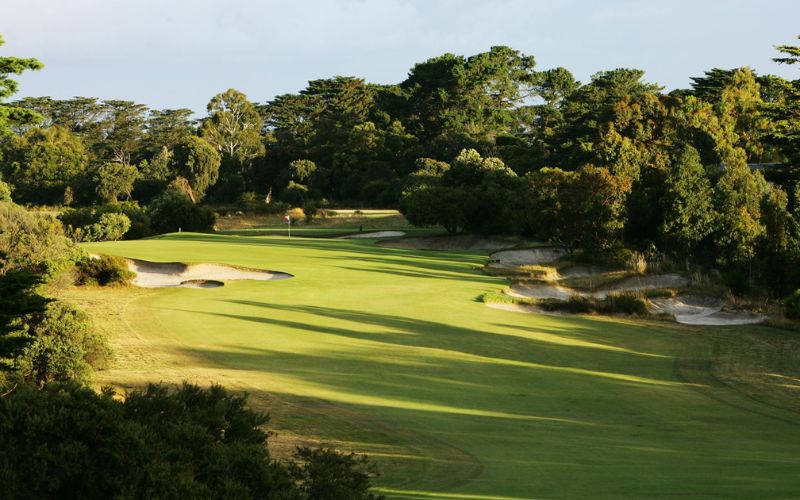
104, 270
792, 305
80, 220
109, 227
173, 211
5, 191
64, 347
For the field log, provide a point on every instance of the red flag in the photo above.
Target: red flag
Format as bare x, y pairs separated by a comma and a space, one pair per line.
286, 218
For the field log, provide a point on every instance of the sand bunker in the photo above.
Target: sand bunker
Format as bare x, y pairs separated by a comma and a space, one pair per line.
454, 242
541, 291
698, 310
375, 234
525, 257
172, 274
686, 309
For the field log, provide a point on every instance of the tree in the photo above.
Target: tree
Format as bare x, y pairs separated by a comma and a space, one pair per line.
302, 170
233, 126
44, 163
166, 128
11, 116
113, 180
198, 162
21, 302
688, 211
123, 131
173, 211
737, 201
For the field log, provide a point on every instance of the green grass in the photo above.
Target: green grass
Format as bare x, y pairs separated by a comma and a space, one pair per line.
390, 352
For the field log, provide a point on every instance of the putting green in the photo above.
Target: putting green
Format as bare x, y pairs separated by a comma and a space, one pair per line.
388, 352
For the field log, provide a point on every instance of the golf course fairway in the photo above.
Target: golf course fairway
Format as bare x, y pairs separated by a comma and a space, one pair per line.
389, 352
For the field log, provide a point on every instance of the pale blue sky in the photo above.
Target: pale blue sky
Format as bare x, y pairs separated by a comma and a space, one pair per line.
173, 53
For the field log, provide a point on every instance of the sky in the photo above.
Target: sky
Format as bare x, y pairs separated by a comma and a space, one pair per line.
179, 53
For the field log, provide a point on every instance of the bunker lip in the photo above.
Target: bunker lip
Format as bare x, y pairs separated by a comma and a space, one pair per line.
177, 274
525, 257
373, 234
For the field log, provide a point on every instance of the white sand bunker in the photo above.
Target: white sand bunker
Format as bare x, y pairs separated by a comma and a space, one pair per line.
525, 257
375, 234
172, 274
452, 242
698, 310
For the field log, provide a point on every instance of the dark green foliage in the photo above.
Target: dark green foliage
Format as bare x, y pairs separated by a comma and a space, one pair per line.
173, 211
81, 219
792, 305
576, 304
63, 347
198, 162
21, 305
68, 442
44, 163
325, 474
103, 270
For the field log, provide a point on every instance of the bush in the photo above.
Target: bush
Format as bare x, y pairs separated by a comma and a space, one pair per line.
296, 214
623, 303
5, 191
70, 442
576, 304
173, 211
310, 210
64, 347
80, 220
792, 305
326, 474
104, 270
109, 227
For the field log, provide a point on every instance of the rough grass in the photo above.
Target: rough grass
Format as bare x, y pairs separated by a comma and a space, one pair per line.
386, 351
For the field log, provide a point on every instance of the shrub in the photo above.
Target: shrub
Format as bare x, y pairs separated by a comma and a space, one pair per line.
104, 270
637, 263
173, 211
64, 347
80, 220
623, 303
157, 443
576, 304
250, 201
310, 209
792, 305
296, 214
5, 191
109, 227
326, 474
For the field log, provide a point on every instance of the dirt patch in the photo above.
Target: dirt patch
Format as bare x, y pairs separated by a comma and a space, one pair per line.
173, 274
374, 234
525, 257
456, 242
